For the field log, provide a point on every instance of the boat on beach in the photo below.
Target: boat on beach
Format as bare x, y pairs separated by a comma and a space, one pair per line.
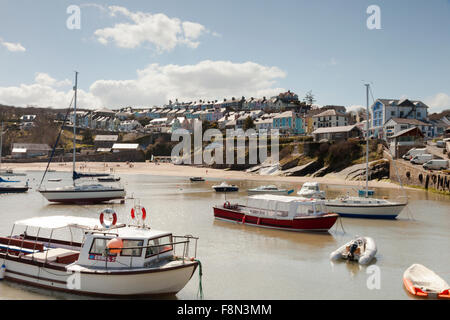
425, 283
361, 249
225, 187
111, 260
271, 189
278, 212
311, 190
196, 179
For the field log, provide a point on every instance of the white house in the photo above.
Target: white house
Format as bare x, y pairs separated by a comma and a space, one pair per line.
395, 125
329, 118
129, 125
384, 109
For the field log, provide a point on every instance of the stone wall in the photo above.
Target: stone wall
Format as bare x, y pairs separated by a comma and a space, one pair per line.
414, 175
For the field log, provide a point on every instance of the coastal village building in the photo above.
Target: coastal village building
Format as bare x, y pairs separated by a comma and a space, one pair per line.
384, 109
337, 133
288, 123
405, 140
394, 125
30, 150
330, 118
105, 141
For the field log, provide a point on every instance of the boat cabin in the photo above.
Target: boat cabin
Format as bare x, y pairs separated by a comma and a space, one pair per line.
285, 207
118, 247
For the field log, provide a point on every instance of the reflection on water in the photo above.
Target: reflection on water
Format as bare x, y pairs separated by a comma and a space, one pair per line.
246, 262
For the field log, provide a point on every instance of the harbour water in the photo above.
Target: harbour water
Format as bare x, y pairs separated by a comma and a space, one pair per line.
244, 262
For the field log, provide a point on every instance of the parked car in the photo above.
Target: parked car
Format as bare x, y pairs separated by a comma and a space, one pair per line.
440, 144
436, 164
421, 158
413, 152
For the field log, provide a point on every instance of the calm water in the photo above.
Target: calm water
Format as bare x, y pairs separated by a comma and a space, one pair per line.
244, 262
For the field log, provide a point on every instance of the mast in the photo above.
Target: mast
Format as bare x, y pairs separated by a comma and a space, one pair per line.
75, 122
367, 140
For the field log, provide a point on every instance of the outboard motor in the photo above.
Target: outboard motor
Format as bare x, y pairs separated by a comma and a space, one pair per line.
352, 250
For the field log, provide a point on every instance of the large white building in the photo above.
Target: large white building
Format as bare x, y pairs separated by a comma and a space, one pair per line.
330, 118
384, 109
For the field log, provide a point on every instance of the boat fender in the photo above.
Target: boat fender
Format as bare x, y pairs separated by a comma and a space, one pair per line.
227, 204
2, 272
102, 218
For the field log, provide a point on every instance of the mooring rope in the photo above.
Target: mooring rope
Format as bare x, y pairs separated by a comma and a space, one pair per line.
200, 286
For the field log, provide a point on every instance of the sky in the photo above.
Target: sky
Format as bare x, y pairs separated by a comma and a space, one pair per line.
145, 53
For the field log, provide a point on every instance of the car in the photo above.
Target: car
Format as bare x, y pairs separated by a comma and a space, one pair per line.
436, 164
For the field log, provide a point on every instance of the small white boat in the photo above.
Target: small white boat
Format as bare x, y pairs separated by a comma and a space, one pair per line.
361, 249
423, 282
112, 260
269, 190
225, 187
311, 190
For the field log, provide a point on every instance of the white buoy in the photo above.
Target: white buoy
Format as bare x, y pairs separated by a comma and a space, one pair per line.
2, 272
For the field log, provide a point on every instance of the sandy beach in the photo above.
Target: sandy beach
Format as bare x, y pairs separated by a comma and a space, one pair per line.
168, 169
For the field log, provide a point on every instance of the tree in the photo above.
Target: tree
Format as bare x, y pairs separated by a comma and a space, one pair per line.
248, 123
88, 137
309, 98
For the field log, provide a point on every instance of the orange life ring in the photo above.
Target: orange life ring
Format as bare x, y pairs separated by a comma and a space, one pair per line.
102, 218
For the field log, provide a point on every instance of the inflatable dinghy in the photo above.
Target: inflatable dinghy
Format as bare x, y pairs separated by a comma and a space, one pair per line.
361, 249
422, 282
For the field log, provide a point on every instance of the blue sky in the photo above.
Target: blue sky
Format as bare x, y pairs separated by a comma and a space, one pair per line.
220, 49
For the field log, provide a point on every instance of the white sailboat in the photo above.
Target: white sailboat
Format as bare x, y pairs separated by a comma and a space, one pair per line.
363, 206
85, 193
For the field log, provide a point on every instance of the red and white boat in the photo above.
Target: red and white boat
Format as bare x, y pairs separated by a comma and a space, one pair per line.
279, 212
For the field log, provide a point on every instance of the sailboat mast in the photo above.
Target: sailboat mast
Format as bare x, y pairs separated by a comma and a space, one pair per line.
75, 120
367, 140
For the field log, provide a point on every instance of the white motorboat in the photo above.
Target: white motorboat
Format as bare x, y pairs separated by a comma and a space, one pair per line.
361, 249
311, 190
94, 193
271, 189
363, 206
111, 260
225, 187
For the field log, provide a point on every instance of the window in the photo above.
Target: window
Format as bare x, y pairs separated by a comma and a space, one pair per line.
392, 113
163, 245
98, 246
131, 244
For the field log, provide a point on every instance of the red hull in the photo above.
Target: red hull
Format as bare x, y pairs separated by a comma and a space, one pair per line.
312, 223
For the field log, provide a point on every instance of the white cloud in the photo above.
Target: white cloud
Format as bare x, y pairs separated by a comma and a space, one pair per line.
156, 85
44, 92
438, 103
13, 47
355, 108
157, 29
46, 80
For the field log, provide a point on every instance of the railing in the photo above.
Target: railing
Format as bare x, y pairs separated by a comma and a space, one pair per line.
186, 247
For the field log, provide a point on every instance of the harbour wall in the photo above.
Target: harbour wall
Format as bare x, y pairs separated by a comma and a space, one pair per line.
413, 175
